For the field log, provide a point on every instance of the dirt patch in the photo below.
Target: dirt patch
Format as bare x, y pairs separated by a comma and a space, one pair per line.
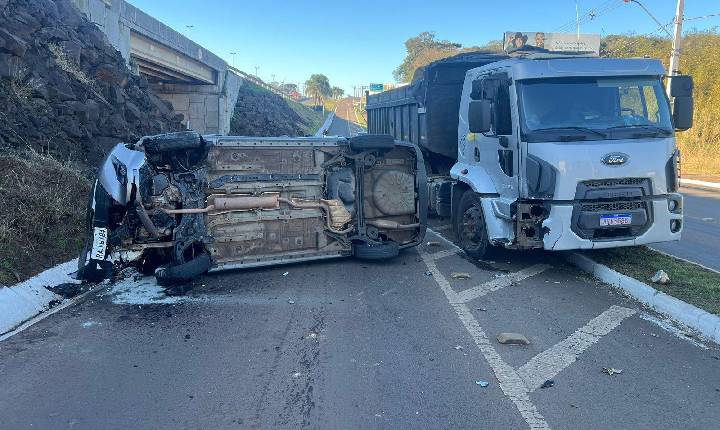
42, 215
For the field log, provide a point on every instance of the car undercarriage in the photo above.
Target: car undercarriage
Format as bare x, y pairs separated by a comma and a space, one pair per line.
180, 204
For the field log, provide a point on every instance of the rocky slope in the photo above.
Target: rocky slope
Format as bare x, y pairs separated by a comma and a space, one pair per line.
64, 90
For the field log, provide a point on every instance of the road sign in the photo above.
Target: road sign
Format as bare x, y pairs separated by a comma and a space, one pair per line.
376, 87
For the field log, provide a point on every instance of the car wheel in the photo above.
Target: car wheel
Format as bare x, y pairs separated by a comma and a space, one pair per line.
381, 251
470, 227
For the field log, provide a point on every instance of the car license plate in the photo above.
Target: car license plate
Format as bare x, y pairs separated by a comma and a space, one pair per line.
615, 219
99, 246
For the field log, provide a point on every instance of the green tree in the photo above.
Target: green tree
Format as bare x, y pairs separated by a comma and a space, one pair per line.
289, 88
337, 92
318, 87
421, 50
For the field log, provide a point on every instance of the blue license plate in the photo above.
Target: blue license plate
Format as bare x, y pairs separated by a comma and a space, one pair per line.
615, 219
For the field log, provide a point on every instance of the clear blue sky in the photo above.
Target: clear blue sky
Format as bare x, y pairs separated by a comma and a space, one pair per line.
358, 42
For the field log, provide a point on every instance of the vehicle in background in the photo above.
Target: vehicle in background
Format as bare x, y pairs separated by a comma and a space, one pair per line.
179, 205
545, 150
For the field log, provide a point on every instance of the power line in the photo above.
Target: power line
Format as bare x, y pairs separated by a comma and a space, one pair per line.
590, 15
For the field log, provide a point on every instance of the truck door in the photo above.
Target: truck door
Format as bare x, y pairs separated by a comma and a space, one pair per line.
497, 150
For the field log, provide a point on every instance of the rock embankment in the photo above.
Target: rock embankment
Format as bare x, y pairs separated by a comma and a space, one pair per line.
65, 90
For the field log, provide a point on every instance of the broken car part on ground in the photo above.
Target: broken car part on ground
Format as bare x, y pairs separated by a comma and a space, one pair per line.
179, 205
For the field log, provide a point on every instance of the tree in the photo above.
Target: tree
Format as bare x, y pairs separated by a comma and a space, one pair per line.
289, 88
318, 87
421, 50
337, 92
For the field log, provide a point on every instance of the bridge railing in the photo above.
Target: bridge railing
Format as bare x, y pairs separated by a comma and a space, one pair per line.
259, 82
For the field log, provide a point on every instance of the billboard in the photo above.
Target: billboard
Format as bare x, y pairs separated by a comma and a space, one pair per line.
567, 42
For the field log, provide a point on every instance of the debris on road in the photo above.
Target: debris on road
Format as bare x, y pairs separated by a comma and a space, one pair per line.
286, 273
460, 275
428, 273
481, 309
292, 302
482, 383
312, 336
459, 347
433, 243
512, 339
660, 277
611, 371
547, 384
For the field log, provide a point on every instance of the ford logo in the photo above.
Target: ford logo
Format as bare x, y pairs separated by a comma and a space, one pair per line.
615, 159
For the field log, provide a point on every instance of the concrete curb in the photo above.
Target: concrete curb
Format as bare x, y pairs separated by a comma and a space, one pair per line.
693, 317
23, 301
325, 125
704, 184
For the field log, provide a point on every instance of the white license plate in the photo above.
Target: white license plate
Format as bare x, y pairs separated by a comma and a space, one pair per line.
615, 219
99, 246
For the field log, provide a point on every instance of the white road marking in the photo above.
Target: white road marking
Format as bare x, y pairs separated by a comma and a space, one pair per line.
555, 359
499, 283
510, 382
444, 253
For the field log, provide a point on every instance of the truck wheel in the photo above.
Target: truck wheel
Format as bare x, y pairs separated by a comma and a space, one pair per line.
470, 227
383, 251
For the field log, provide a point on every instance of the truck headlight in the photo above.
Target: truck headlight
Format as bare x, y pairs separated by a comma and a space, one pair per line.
674, 205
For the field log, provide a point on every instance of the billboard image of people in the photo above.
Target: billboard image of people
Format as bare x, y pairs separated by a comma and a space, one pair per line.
529, 41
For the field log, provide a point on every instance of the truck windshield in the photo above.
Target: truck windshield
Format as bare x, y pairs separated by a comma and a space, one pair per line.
593, 109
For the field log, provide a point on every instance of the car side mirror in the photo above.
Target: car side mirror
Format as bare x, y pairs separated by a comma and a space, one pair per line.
479, 116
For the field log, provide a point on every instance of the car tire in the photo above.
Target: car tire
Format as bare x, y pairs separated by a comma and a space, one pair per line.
169, 142
368, 142
169, 275
470, 228
381, 251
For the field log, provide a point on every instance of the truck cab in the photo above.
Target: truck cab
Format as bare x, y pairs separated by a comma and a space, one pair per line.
545, 150
569, 152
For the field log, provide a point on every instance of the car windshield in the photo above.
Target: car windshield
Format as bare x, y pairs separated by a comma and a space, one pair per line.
593, 109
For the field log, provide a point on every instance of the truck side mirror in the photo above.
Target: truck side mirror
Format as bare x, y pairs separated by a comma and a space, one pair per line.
479, 116
681, 86
681, 90
683, 113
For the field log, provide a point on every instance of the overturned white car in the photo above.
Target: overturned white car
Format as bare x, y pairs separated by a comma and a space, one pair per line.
179, 204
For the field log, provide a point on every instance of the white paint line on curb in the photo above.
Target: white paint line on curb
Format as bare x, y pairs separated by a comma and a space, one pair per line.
23, 301
697, 183
555, 359
693, 317
325, 125
499, 283
44, 315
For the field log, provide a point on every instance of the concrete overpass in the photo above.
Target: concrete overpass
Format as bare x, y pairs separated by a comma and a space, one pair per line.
198, 83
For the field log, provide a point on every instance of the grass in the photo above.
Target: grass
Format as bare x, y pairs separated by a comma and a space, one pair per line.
312, 120
42, 214
688, 282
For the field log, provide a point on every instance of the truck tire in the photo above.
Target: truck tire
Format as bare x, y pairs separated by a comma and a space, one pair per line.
383, 251
470, 228
366, 142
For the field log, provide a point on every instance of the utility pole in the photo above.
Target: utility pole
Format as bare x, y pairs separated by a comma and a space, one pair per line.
677, 42
233, 58
256, 72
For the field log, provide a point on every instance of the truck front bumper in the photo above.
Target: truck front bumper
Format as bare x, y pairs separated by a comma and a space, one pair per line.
664, 225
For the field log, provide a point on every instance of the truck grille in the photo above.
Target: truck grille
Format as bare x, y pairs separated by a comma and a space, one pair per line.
615, 182
612, 206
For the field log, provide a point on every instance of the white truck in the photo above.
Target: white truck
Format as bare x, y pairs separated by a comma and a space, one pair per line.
545, 150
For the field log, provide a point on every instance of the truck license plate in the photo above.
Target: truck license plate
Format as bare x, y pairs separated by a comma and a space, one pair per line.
615, 219
99, 245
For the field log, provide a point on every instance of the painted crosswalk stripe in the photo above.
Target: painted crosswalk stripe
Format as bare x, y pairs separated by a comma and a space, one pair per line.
499, 283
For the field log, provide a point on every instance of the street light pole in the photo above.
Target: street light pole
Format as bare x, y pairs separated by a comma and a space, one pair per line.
233, 58
256, 72
677, 40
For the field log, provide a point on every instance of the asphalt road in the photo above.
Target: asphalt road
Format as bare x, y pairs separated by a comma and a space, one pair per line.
347, 344
701, 235
350, 344
345, 123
